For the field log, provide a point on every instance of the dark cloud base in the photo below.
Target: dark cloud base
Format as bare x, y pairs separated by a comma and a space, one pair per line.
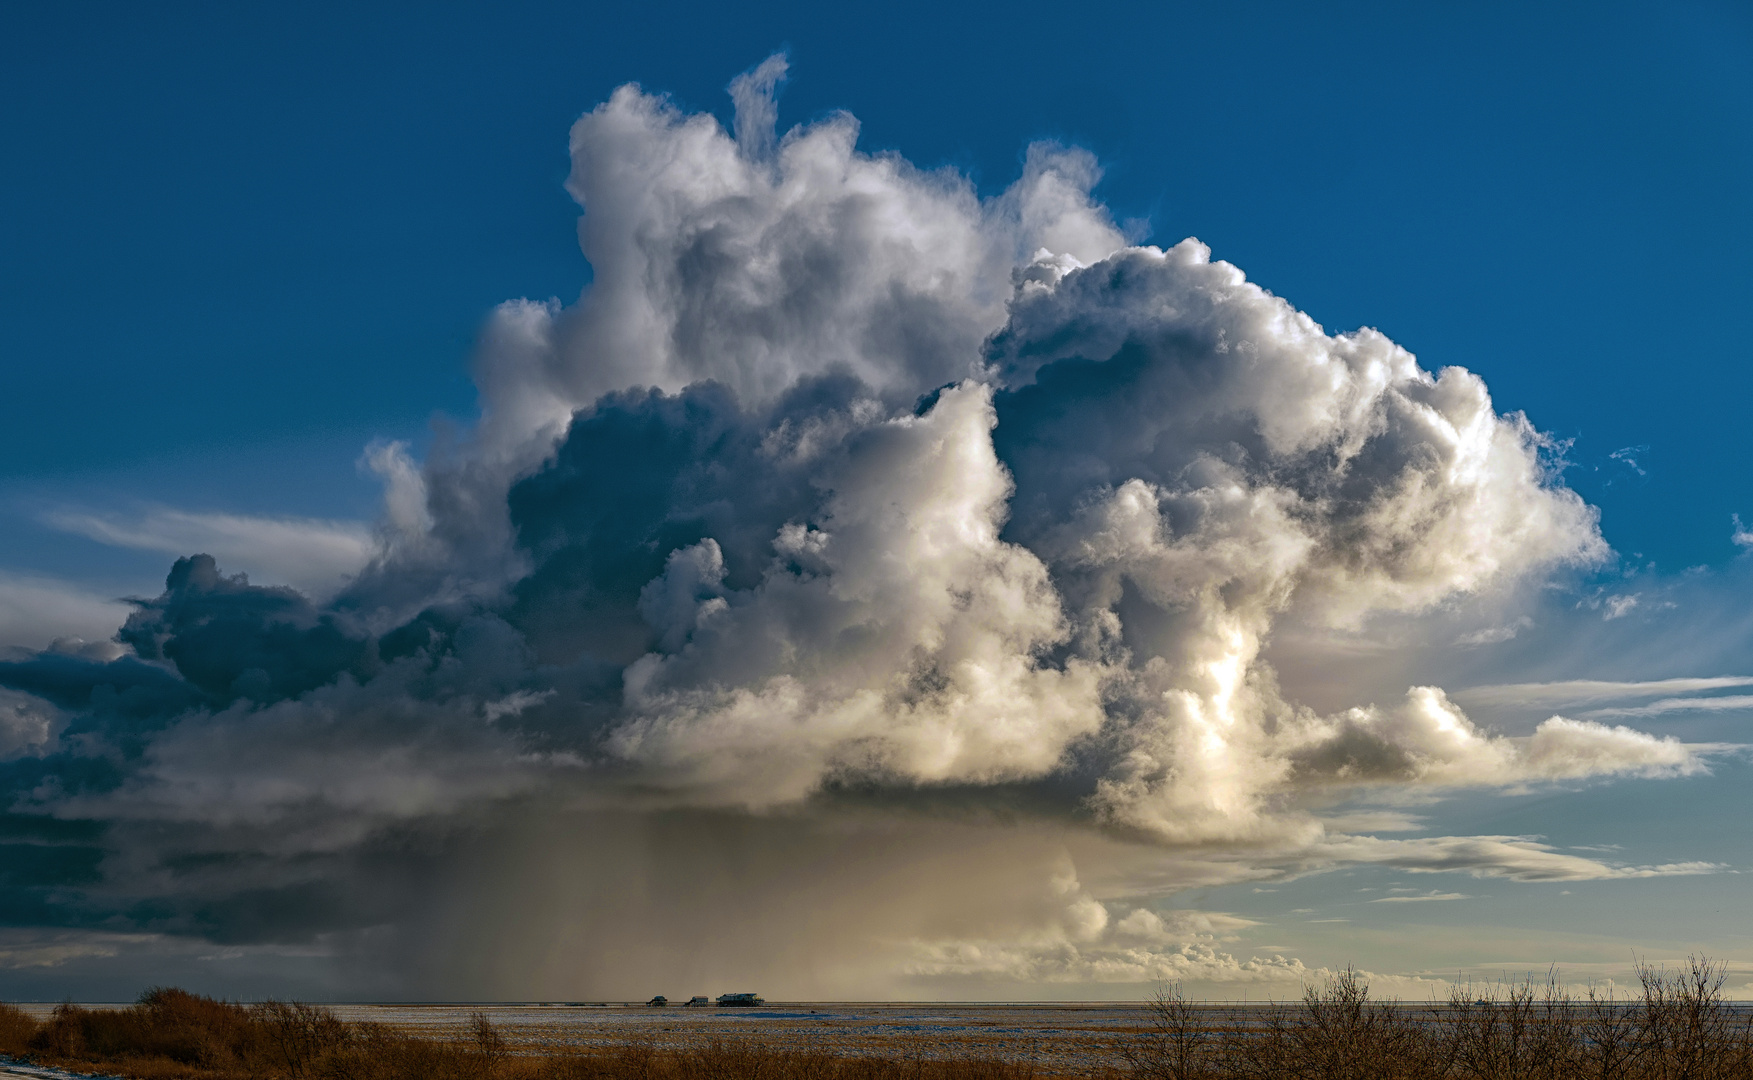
862, 582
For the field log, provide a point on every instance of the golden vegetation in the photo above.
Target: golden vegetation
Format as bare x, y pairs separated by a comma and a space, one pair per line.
1679, 1028
175, 1035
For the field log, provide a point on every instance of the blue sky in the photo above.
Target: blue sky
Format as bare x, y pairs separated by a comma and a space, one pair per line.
241, 246
234, 230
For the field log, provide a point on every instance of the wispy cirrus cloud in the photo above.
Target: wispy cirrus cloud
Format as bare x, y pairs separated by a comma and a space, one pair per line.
1517, 858
1723, 703
314, 555
1493, 635
36, 610
1589, 691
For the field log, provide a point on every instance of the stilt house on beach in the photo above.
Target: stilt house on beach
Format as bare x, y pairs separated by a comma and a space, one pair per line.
734, 1001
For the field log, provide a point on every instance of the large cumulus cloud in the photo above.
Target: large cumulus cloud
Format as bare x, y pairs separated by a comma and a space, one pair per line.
920, 547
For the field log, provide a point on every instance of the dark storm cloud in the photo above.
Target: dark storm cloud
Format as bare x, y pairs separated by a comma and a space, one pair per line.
911, 552
232, 639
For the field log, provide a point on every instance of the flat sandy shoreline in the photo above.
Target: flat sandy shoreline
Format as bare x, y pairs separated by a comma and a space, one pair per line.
1061, 1037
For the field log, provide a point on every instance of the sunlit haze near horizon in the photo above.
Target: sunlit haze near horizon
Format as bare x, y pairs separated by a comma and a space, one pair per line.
536, 502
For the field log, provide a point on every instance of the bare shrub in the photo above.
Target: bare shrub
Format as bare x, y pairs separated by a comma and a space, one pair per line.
489, 1043
298, 1035
1513, 1031
1606, 1043
1338, 1034
1177, 1043
185, 1027
1343, 1035
1688, 1031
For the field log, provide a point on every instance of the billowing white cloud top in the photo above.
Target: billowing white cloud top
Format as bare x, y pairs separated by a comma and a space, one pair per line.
843, 488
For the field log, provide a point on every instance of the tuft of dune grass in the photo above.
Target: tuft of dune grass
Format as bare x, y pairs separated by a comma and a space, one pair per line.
16, 1028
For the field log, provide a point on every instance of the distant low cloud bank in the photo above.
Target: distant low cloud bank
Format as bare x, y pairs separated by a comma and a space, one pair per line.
854, 542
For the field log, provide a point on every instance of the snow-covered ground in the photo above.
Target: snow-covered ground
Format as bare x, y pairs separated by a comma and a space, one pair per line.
9, 1070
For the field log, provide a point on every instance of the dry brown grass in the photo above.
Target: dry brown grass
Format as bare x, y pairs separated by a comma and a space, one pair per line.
1679, 1028
175, 1035
16, 1028
741, 1060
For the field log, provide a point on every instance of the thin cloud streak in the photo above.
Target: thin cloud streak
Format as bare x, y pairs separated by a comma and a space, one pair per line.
1588, 691
1726, 703
37, 610
317, 556
1421, 899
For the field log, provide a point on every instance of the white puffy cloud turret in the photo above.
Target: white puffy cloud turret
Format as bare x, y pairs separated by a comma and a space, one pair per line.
843, 493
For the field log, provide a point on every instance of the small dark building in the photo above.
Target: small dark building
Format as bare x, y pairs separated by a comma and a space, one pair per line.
739, 1001
698, 1001
660, 1001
